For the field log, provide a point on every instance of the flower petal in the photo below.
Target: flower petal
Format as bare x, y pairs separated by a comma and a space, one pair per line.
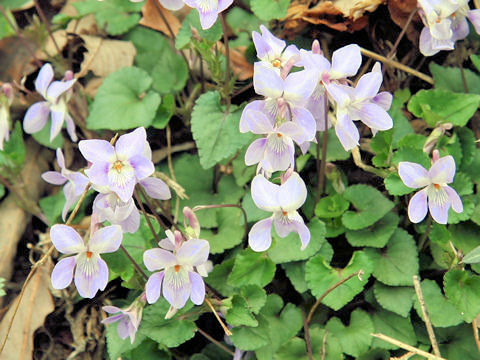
375, 117
71, 127
456, 201
368, 85
62, 273
131, 144
346, 131
299, 86
172, 4
267, 82
106, 240
66, 239
60, 158
256, 122
474, 17
442, 170
277, 45
260, 235
57, 88
97, 150
152, 288
265, 194
57, 122
98, 173
346, 61
292, 193
132, 222
197, 294
143, 166
413, 175
157, 259
176, 287
439, 211
255, 151
417, 207
156, 188
54, 177
303, 232
193, 252
36, 117
88, 284
44, 78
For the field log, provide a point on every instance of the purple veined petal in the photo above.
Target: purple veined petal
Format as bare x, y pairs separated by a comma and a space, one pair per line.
295, 131
98, 173
86, 284
223, 4
267, 82
262, 47
368, 85
207, 19
417, 207
193, 252
339, 93
70, 127
426, 43
460, 29
122, 328
80, 181
303, 233
346, 131
112, 319
111, 310
455, 200
197, 293
313, 61
153, 286
292, 193
70, 199
316, 106
474, 17
260, 236
66, 239
156, 188
44, 78
290, 52
176, 287
36, 117
277, 45
60, 158
157, 259
257, 105
299, 86
384, 100
279, 153
304, 118
143, 166
345, 62
57, 88
283, 228
443, 170
131, 144
265, 194
255, 152
124, 190
57, 122
100, 279
97, 150
172, 4
375, 117
439, 209
256, 122
413, 175
132, 222
54, 177
106, 240
62, 273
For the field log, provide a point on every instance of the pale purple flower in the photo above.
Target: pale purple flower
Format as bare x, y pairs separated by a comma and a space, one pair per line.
109, 207
272, 51
77, 182
57, 94
207, 9
6, 98
91, 272
128, 319
119, 167
436, 195
283, 201
178, 279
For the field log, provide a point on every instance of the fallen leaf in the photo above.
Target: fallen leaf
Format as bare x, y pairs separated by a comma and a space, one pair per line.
50, 50
400, 11
152, 18
15, 60
36, 304
86, 25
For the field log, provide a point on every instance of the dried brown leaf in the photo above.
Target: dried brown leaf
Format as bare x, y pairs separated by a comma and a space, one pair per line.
36, 304
400, 11
15, 60
152, 18
49, 50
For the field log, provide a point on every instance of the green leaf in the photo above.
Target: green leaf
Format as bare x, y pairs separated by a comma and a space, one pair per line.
13, 155
395, 185
335, 150
243, 173
251, 268
331, 206
116, 16
440, 106
124, 96
164, 112
473, 257
415, 141
442, 313
251, 338
462, 184
382, 145
239, 314
6, 29
253, 212
216, 131
52, 207
411, 154
216, 278
241, 20
376, 235
43, 137
184, 35
321, 276
288, 248
354, 338
371, 206
457, 343
397, 299
375, 354
462, 288
168, 70
296, 274
469, 203
229, 233
267, 10
116, 346
401, 125
395, 326
396, 264
467, 141
450, 78
476, 61
14, 4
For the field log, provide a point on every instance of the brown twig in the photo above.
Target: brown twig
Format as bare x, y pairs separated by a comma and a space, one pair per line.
152, 208
224, 327
426, 318
134, 263
402, 33
475, 333
147, 218
216, 342
407, 347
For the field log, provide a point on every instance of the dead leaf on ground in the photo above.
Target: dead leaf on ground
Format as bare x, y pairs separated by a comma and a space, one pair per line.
86, 25
400, 11
50, 50
341, 15
36, 304
15, 60
152, 18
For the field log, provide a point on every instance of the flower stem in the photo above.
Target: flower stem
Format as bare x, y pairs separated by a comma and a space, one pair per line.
216, 342
222, 324
134, 263
424, 236
149, 223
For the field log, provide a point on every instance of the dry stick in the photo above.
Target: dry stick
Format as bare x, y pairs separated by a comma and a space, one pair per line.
426, 318
202, 207
324, 345
224, 327
475, 334
20, 36
397, 65
226, 86
407, 347
47, 26
149, 223
135, 265
306, 324
400, 36
216, 342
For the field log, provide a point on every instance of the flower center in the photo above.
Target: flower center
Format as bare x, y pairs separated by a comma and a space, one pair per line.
89, 254
276, 63
436, 186
117, 165
284, 213
279, 135
177, 268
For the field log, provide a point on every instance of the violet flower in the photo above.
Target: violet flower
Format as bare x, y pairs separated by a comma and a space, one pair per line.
177, 279
6, 99
207, 9
119, 167
91, 272
283, 200
57, 94
109, 207
77, 182
436, 195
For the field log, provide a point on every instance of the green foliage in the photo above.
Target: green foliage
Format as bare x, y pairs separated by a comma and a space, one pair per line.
13, 155
376, 235
395, 185
467, 142
398, 262
117, 346
251, 268
395, 326
6, 29
370, 204
267, 10
296, 274
441, 106
397, 299
450, 78
401, 125
164, 112
43, 137
124, 96
463, 289
216, 278
335, 150
192, 20
2, 284
52, 207
241, 20
215, 130
331, 206
320, 276
250, 300
411, 154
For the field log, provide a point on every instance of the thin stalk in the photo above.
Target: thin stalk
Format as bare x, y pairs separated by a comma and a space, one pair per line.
318, 166
222, 324
402, 33
407, 347
149, 223
134, 263
152, 209
167, 215
308, 340
464, 79
216, 342
424, 237
47, 26
226, 85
